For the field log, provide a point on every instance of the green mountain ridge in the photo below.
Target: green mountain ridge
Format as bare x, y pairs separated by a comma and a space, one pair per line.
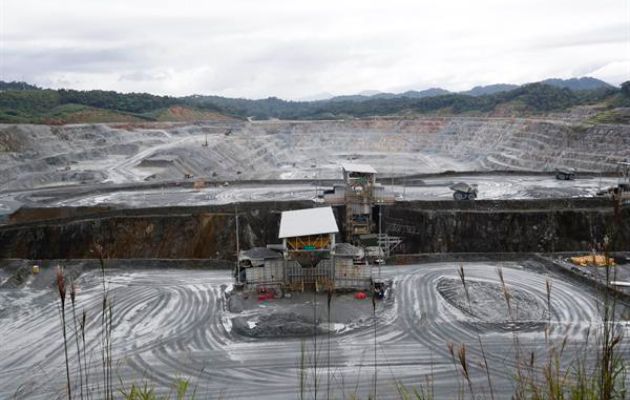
24, 103
574, 84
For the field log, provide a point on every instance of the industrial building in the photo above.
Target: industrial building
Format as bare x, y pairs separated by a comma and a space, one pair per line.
308, 258
361, 199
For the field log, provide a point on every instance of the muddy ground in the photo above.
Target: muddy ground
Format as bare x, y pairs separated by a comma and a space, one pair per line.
172, 323
294, 314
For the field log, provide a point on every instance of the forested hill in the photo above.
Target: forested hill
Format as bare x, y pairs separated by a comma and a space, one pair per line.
21, 102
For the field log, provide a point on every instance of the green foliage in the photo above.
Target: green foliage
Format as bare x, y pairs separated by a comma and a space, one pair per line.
181, 388
541, 97
130, 102
137, 392
15, 85
147, 392
31, 104
535, 98
615, 116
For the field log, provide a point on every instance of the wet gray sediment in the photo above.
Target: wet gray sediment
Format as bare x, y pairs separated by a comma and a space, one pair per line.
171, 323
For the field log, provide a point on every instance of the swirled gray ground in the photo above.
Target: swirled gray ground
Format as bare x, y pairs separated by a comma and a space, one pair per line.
173, 323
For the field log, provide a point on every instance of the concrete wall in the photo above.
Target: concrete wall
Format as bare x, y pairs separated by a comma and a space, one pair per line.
426, 227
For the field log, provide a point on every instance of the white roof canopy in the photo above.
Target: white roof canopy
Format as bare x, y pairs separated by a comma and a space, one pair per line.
311, 221
361, 168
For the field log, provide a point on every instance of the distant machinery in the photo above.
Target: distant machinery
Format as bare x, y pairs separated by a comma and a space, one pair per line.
199, 184
621, 192
565, 174
464, 191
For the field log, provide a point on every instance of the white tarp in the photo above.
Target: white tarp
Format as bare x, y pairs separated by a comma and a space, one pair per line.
311, 221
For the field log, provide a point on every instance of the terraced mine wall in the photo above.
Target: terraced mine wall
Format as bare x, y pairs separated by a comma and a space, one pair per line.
37, 155
208, 232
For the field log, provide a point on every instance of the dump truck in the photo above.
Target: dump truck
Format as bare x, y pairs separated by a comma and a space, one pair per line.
565, 174
464, 191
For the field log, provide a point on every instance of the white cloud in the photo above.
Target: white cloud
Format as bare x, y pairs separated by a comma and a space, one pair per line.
292, 49
615, 71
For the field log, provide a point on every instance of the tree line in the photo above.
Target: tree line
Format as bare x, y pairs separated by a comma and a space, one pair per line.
29, 101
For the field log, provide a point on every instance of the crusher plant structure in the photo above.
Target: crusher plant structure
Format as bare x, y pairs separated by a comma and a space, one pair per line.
309, 257
363, 199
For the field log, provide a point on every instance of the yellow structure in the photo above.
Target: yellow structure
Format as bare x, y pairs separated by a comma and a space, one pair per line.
595, 260
309, 243
310, 258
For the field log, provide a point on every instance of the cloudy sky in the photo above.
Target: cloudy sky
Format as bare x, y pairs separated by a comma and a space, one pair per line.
298, 49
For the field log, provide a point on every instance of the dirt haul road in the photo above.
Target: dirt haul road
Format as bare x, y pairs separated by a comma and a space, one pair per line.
492, 186
171, 324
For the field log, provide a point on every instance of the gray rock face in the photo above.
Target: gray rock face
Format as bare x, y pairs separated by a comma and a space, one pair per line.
425, 227
36, 155
515, 226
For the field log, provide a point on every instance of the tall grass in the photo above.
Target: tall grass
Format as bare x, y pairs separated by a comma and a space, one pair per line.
462, 277
534, 379
106, 327
79, 329
549, 380
375, 344
611, 366
145, 391
302, 371
546, 378
315, 355
329, 296
61, 290
73, 294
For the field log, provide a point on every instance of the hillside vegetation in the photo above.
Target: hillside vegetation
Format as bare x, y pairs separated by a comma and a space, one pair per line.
35, 105
24, 103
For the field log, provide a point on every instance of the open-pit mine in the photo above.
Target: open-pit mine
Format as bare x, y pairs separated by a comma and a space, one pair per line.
295, 259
